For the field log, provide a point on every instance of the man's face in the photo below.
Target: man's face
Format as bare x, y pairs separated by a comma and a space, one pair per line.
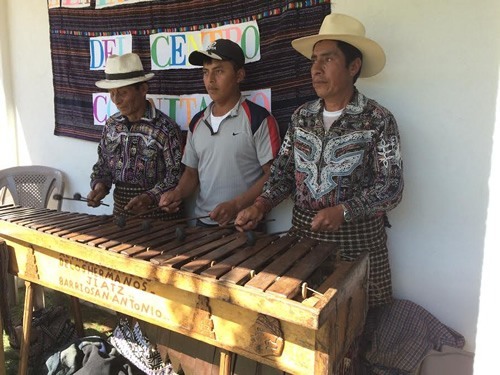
330, 76
130, 100
221, 80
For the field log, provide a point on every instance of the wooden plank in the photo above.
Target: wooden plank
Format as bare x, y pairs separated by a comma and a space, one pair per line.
163, 236
202, 262
7, 207
280, 265
137, 236
347, 276
76, 226
79, 224
289, 284
195, 238
186, 257
147, 255
220, 268
241, 273
22, 213
27, 319
55, 218
94, 236
35, 218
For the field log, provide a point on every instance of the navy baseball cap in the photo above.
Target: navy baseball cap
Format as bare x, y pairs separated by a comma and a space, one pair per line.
221, 49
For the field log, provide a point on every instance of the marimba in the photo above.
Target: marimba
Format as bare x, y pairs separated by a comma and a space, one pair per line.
283, 301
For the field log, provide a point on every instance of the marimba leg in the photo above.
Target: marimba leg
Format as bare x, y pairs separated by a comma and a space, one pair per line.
27, 318
38, 297
77, 314
2, 353
225, 362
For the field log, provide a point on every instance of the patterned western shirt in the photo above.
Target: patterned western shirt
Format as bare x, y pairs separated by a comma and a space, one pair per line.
146, 153
356, 162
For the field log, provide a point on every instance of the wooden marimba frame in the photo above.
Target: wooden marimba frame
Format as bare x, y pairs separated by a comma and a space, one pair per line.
286, 302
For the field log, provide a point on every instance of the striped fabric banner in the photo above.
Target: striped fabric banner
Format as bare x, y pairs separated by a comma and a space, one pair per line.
281, 68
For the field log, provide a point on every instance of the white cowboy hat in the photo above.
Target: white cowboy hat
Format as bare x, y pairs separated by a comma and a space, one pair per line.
347, 29
122, 71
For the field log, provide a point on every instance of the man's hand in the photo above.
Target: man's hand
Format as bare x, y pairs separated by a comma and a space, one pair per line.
170, 201
95, 197
139, 203
248, 218
224, 212
328, 219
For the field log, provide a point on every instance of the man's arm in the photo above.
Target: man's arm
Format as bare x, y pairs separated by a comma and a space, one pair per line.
227, 211
386, 191
171, 200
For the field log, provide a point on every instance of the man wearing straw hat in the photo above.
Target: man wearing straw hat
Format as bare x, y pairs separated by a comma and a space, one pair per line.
140, 149
340, 158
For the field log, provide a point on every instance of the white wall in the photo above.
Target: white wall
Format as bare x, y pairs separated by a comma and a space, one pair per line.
440, 81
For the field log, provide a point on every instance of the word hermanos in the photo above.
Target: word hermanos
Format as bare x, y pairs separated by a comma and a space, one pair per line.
78, 265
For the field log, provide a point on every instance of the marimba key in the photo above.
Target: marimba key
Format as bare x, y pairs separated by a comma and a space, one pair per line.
126, 245
195, 238
23, 212
33, 218
241, 273
124, 235
181, 259
279, 265
288, 285
238, 257
202, 262
51, 220
78, 224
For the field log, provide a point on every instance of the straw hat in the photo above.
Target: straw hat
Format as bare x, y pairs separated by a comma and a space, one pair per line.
347, 29
122, 71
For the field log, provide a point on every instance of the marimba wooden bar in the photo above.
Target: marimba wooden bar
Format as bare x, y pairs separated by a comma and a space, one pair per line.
287, 302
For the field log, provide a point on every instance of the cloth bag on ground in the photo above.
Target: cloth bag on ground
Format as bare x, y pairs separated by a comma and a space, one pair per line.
51, 329
133, 345
90, 355
404, 334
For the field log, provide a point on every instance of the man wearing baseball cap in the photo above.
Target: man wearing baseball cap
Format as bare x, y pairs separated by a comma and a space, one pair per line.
340, 158
230, 144
140, 148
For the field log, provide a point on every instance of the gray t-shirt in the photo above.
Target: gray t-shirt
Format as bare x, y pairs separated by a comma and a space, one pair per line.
230, 160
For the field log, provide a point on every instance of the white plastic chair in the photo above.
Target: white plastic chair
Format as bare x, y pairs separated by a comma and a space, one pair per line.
30, 186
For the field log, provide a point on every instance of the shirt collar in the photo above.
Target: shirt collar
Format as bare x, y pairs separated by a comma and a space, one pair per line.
357, 103
232, 113
355, 106
149, 114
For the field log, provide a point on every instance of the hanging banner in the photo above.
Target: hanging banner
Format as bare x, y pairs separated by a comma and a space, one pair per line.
81, 40
111, 3
54, 4
171, 50
103, 47
75, 3
181, 108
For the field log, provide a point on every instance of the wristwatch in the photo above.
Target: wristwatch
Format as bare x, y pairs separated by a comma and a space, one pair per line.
347, 215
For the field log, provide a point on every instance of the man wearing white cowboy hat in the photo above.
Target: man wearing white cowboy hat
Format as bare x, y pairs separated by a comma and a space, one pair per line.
140, 148
340, 158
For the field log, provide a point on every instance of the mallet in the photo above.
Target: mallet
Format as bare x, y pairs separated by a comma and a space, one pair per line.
76, 197
251, 236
